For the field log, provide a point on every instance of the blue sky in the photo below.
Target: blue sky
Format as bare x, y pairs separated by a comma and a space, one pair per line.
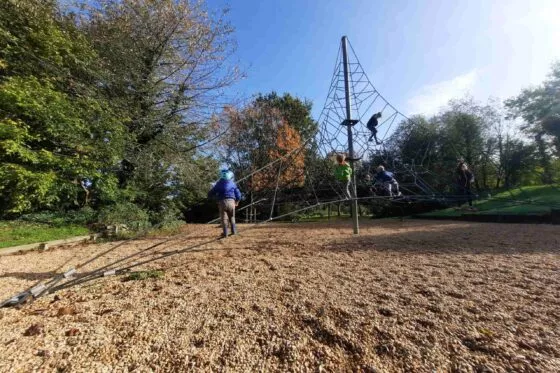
418, 54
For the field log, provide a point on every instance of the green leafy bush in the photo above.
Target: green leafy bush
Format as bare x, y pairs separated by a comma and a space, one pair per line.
125, 213
167, 220
81, 217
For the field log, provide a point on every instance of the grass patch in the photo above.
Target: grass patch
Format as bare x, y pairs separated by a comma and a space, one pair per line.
17, 232
532, 200
317, 217
143, 275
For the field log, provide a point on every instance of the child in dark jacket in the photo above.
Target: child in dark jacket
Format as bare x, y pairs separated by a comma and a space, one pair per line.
372, 126
387, 181
464, 180
226, 192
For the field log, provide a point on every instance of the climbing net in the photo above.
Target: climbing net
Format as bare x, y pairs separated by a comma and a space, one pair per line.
365, 99
368, 150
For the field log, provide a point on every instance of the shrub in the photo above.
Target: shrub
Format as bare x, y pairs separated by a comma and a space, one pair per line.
125, 213
81, 217
167, 220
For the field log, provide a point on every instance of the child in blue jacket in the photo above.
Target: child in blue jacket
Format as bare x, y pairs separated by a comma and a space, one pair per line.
226, 192
387, 180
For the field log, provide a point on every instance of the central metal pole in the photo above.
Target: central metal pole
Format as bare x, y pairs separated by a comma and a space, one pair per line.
354, 202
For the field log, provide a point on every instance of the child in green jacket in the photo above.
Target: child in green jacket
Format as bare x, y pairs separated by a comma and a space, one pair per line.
343, 173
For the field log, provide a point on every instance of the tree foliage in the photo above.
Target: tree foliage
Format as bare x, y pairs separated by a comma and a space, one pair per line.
464, 130
57, 134
258, 135
293, 110
539, 107
169, 63
291, 170
108, 102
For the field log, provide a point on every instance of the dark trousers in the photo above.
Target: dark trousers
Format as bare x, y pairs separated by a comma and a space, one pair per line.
464, 195
227, 212
373, 134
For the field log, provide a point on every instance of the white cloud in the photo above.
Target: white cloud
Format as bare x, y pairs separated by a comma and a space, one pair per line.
431, 98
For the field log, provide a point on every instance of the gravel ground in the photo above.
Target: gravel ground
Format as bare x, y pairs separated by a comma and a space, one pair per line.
403, 296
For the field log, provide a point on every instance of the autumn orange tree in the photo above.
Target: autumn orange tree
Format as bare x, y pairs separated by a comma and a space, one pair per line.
261, 133
288, 173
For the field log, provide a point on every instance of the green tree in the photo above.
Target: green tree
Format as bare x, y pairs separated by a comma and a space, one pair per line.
295, 111
539, 107
415, 141
466, 129
168, 62
518, 162
57, 133
433, 146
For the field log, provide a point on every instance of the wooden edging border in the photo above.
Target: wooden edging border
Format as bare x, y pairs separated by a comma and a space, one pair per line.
47, 245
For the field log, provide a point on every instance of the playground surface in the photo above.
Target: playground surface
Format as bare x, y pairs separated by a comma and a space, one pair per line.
416, 296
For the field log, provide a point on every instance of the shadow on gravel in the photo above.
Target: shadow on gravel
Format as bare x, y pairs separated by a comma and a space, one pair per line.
28, 275
460, 238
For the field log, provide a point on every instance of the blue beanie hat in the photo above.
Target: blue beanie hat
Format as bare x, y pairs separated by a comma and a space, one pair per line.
226, 174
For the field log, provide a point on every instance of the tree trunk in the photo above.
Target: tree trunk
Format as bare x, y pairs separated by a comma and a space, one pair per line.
544, 159
485, 174
86, 191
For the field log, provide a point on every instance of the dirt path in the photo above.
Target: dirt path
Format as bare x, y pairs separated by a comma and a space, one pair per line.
413, 296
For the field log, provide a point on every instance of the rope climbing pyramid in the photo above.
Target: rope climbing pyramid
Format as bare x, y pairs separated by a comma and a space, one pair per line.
365, 102
358, 122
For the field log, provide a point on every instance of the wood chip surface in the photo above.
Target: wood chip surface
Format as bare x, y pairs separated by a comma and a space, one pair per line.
415, 296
